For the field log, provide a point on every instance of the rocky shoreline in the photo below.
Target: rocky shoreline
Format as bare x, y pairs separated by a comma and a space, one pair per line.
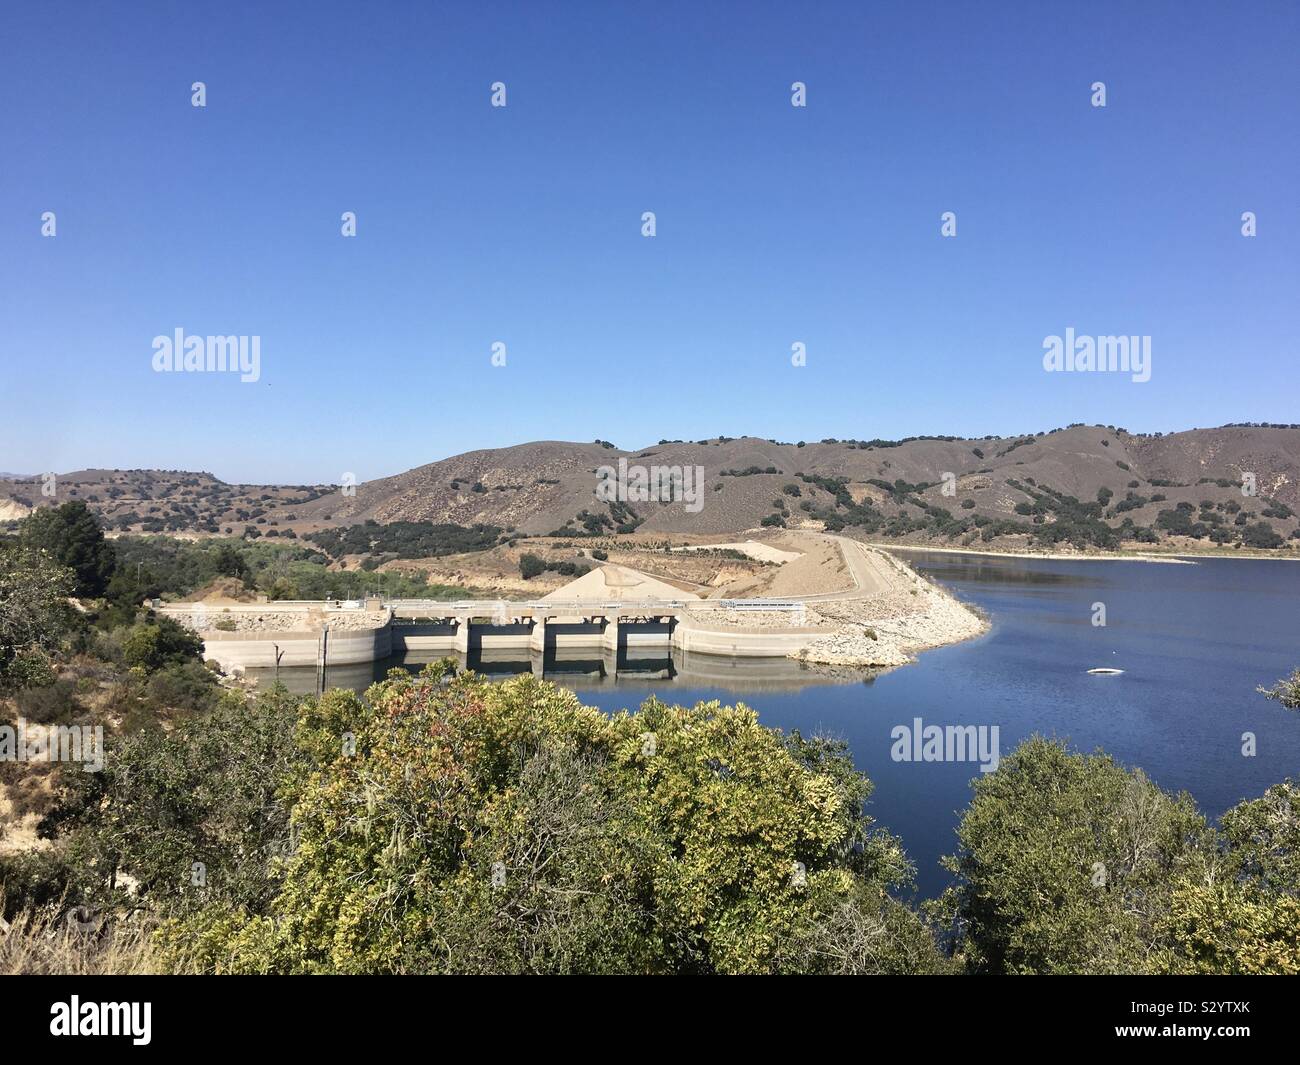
889, 630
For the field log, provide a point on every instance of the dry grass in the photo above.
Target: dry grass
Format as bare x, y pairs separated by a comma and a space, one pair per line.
44, 943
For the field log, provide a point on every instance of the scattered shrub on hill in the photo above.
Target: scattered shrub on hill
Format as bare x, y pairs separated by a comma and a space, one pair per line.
406, 539
1261, 534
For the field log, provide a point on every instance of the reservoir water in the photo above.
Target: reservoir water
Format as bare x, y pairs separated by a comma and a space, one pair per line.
1193, 641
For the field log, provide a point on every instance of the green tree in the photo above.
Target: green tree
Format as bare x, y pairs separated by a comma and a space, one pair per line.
71, 536
1261, 534
207, 792
1262, 838
1072, 864
477, 827
1065, 863
159, 642
131, 586
1245, 918
531, 566
229, 562
34, 614
1225, 930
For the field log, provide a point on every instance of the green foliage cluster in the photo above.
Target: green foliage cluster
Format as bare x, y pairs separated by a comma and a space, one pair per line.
161, 641
531, 566
406, 539
70, 535
453, 825
748, 471
620, 519
1285, 691
1069, 863
208, 791
1073, 521
34, 614
150, 566
447, 824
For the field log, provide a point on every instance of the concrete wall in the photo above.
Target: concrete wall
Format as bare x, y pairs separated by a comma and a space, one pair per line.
738, 643
234, 650
239, 650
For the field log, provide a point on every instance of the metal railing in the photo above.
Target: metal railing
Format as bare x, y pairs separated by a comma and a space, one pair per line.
592, 605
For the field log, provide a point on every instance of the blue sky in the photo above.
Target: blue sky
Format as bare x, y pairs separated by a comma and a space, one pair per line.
522, 224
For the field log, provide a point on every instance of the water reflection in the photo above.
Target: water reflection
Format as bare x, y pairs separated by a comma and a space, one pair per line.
1006, 571
587, 669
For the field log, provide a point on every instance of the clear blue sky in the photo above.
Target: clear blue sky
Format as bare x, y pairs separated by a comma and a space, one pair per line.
522, 224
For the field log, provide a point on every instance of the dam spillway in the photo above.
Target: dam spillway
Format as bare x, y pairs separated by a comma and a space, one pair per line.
247, 636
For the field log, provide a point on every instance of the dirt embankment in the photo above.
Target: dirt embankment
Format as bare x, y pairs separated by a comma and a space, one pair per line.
861, 606
895, 615
816, 567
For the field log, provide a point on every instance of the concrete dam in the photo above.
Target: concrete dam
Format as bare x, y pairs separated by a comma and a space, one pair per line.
242, 636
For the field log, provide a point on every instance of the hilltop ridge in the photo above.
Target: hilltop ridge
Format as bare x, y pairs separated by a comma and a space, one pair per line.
1072, 484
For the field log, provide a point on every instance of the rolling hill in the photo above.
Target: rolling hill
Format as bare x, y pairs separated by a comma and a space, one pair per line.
1084, 486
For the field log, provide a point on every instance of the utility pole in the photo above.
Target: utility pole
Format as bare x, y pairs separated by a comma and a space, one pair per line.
321, 659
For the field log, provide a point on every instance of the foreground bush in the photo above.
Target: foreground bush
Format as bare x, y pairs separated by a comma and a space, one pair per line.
1069, 863
464, 826
448, 824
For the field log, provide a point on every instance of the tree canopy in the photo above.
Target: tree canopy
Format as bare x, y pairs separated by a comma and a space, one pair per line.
1069, 863
455, 825
33, 613
71, 536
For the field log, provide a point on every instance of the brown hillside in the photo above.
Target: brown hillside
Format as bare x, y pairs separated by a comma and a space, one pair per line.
549, 486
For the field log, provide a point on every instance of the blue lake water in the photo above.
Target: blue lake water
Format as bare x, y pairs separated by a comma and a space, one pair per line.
1194, 642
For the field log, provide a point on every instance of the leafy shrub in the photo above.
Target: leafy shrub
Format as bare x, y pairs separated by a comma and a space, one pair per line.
153, 644
506, 828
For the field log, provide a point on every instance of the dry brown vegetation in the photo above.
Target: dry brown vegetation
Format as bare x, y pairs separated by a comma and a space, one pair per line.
535, 489
72, 943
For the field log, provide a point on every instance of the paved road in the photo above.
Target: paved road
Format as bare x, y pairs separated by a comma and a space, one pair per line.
870, 572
